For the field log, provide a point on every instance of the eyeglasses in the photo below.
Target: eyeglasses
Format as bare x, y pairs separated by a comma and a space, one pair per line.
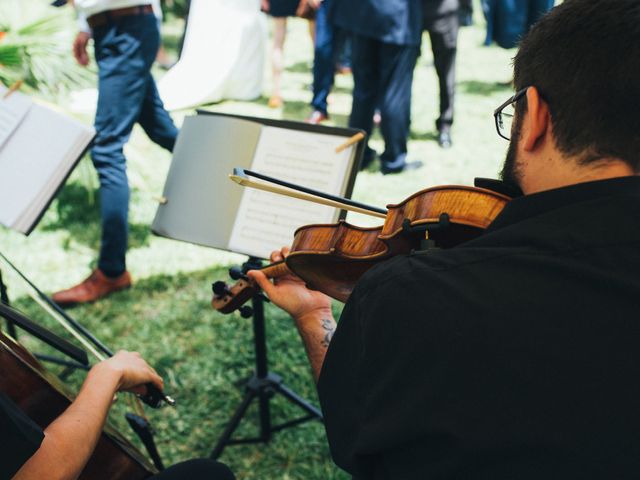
504, 120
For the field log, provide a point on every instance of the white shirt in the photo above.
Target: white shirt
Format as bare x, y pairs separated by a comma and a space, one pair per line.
86, 8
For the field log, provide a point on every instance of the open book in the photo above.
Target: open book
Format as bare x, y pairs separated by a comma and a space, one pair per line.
38, 149
203, 206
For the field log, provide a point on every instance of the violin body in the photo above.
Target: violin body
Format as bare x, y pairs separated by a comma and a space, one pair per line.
41, 396
332, 258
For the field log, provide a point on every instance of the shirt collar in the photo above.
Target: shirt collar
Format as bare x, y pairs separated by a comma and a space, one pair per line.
535, 204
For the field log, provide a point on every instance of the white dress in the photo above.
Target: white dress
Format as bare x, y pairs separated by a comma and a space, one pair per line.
223, 55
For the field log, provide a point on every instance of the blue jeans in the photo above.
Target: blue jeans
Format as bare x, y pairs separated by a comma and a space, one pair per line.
323, 58
332, 43
125, 50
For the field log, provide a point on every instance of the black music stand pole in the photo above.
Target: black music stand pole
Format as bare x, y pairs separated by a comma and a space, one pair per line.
262, 385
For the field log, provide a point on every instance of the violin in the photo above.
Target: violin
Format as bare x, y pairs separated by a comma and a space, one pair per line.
331, 258
43, 398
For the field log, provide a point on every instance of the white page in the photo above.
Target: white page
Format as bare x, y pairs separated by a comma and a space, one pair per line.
34, 161
202, 202
267, 221
12, 110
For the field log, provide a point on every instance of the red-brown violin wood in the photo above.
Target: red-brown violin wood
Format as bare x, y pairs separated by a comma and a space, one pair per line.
332, 258
42, 397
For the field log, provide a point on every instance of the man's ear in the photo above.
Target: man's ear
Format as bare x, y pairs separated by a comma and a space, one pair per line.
536, 121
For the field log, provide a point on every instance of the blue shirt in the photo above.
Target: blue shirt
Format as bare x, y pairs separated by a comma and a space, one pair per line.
396, 22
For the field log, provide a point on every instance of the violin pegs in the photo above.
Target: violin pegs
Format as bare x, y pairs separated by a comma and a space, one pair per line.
236, 273
246, 311
220, 288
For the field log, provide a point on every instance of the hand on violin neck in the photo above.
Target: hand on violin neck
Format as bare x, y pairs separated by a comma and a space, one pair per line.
311, 310
290, 293
131, 371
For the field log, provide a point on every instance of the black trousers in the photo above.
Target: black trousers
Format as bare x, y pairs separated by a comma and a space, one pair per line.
443, 33
200, 469
382, 76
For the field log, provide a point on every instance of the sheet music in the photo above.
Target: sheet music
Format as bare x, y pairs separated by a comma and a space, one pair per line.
35, 160
12, 110
267, 221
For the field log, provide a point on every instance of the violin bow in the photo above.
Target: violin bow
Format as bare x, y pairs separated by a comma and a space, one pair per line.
280, 187
153, 397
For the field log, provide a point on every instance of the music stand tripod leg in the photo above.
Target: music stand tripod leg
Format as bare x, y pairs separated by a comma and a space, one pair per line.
298, 400
225, 438
262, 385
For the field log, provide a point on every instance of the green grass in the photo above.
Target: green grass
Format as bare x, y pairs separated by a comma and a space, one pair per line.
167, 317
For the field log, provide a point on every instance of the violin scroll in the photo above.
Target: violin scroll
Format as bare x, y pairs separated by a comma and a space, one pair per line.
229, 299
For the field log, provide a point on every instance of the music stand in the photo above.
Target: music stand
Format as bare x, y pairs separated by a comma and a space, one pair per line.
201, 206
263, 384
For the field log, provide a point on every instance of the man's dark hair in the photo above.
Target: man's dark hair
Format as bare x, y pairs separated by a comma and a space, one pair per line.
584, 58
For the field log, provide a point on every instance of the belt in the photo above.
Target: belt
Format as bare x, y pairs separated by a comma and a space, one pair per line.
108, 16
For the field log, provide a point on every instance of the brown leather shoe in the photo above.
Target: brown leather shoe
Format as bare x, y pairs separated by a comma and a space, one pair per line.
96, 286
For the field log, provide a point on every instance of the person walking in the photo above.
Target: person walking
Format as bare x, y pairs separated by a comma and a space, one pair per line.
126, 41
330, 40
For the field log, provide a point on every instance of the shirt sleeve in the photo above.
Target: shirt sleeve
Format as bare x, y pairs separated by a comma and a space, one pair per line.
20, 437
83, 24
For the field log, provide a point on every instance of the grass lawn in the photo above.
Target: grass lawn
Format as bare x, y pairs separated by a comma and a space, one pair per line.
167, 317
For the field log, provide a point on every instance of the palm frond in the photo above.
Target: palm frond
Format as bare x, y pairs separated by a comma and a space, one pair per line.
36, 47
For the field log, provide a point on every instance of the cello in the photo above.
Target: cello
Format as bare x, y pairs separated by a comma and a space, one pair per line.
43, 397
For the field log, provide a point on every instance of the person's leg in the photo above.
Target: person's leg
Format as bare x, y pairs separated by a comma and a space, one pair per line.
277, 59
155, 120
323, 60
124, 53
200, 469
343, 48
444, 39
366, 75
396, 74
489, 11
311, 25
465, 14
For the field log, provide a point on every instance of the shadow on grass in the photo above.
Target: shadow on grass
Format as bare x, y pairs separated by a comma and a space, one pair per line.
343, 90
295, 110
78, 212
423, 135
300, 67
475, 87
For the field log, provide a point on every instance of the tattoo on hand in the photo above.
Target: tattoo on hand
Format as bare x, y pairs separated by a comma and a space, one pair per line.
327, 325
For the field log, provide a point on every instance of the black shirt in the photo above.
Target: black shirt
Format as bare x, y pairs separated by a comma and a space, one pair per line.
20, 437
513, 356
